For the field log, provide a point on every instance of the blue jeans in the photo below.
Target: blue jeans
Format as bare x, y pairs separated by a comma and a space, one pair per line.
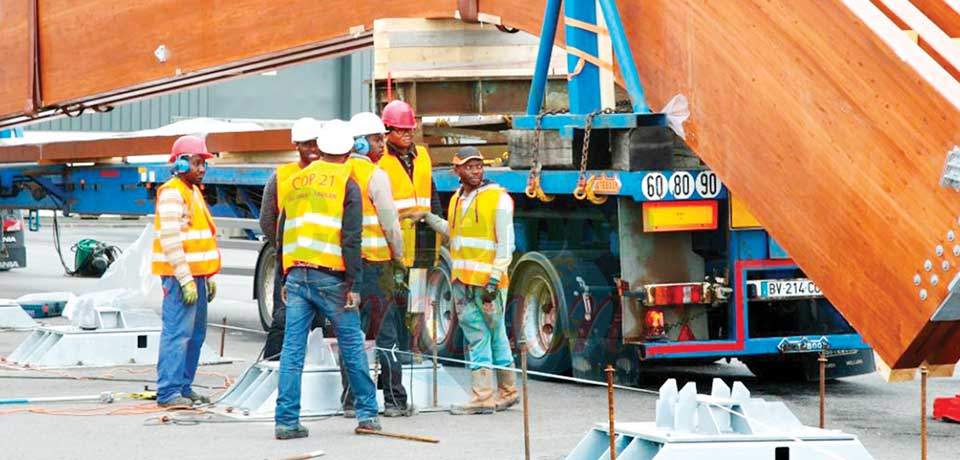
181, 338
310, 291
485, 333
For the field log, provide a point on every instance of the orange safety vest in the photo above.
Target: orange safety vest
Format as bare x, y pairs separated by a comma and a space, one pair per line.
374, 246
409, 195
313, 216
199, 235
473, 238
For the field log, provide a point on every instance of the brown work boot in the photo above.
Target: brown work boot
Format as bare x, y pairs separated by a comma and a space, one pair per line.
481, 402
507, 393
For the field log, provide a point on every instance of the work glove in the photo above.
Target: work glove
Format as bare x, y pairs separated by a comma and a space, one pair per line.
490, 291
353, 301
189, 292
211, 290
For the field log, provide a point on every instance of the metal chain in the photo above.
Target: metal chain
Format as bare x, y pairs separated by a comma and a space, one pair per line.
533, 189
580, 192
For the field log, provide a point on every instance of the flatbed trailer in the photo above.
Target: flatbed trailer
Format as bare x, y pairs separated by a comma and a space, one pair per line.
566, 298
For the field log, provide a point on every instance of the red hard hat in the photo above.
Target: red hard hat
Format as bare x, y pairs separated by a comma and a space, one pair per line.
189, 145
399, 114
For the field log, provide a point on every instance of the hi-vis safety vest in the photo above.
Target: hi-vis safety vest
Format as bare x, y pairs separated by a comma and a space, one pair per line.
409, 195
313, 210
284, 173
374, 245
473, 238
199, 236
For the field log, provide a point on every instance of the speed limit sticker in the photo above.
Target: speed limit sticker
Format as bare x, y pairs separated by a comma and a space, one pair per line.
681, 185
708, 184
654, 186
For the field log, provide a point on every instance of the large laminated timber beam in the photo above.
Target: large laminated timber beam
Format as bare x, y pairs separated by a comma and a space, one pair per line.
821, 115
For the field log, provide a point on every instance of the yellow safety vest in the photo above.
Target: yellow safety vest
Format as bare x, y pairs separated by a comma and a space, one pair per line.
409, 195
284, 173
199, 235
313, 210
374, 246
473, 238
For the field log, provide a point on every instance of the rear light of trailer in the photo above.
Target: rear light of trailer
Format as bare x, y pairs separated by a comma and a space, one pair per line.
678, 294
12, 225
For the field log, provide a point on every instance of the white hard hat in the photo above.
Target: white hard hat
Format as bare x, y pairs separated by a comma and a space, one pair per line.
304, 129
365, 123
335, 138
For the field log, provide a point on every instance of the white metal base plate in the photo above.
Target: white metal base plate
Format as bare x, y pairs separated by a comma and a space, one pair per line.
15, 318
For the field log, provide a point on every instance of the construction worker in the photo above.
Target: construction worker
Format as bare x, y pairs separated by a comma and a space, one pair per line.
303, 134
382, 248
185, 256
321, 217
411, 177
480, 233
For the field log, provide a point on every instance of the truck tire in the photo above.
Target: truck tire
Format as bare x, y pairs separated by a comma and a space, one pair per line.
263, 284
537, 311
439, 288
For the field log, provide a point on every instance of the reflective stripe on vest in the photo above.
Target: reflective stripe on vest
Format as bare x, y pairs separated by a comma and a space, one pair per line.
473, 238
409, 195
373, 246
284, 173
198, 237
313, 215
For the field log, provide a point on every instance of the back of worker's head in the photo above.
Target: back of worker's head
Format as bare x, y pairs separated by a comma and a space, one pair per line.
335, 140
368, 131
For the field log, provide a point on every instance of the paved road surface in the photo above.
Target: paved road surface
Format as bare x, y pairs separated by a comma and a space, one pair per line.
884, 416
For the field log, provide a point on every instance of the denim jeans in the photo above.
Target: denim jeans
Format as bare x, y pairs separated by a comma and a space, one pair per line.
274, 343
377, 294
310, 291
181, 338
485, 334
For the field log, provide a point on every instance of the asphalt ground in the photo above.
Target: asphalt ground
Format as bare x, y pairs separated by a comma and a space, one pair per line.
884, 416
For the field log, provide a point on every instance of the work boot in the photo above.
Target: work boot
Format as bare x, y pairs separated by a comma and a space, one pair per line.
371, 424
349, 412
507, 393
392, 411
290, 432
197, 397
179, 401
481, 402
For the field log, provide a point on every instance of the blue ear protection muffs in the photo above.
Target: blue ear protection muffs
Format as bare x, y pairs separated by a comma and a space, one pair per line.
182, 164
361, 145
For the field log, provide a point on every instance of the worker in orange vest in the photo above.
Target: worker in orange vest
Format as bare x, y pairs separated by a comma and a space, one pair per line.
410, 170
481, 238
382, 249
185, 256
303, 134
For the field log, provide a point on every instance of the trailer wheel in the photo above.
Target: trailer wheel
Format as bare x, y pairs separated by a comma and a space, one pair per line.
264, 282
537, 311
439, 288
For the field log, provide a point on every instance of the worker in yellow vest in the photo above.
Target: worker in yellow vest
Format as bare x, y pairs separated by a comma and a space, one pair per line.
185, 256
303, 134
382, 248
321, 218
481, 238
411, 178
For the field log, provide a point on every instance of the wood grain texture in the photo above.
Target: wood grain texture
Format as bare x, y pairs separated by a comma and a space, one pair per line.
15, 53
806, 112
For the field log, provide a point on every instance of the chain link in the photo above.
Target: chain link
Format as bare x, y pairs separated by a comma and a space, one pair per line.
580, 192
533, 189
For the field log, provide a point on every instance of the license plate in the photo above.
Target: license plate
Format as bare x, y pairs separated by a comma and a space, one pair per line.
787, 289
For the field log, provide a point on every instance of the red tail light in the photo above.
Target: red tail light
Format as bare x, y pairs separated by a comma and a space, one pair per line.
675, 294
12, 225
